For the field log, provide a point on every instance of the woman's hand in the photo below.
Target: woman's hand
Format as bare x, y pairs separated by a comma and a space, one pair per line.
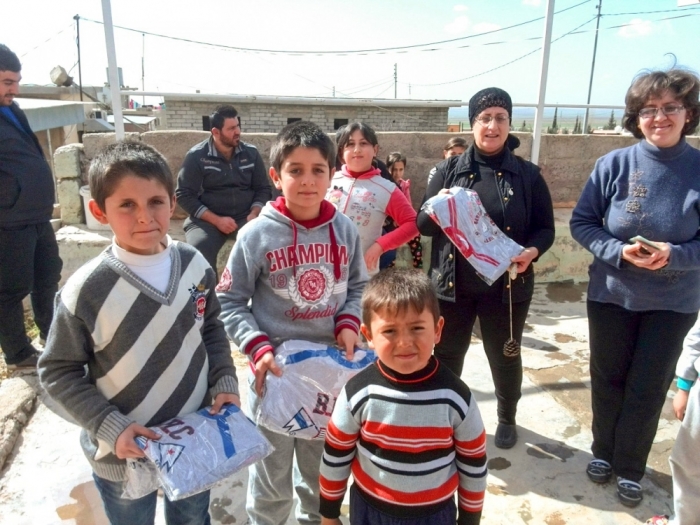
642, 256
524, 258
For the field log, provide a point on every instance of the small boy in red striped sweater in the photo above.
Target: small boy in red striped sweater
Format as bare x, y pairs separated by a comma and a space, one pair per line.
406, 428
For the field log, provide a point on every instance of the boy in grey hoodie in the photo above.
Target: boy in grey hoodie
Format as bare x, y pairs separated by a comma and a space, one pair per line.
296, 272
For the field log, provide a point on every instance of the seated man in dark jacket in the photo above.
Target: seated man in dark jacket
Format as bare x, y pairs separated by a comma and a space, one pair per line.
29, 261
222, 185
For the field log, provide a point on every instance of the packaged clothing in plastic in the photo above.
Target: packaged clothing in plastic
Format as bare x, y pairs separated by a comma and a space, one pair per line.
464, 220
300, 402
195, 452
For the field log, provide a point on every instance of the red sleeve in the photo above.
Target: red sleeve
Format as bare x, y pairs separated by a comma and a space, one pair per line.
399, 209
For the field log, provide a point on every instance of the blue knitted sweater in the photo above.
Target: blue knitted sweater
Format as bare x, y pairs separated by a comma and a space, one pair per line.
648, 191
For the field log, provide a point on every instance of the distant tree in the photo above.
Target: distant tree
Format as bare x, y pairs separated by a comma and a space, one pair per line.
554, 127
578, 128
590, 129
612, 123
523, 127
564, 131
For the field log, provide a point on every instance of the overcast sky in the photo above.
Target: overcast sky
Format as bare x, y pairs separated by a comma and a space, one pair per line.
630, 40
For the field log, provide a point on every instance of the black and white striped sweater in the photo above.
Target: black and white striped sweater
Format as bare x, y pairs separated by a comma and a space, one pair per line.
150, 356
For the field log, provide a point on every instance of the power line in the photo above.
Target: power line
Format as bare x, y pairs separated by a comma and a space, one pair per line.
691, 8
333, 53
507, 63
47, 40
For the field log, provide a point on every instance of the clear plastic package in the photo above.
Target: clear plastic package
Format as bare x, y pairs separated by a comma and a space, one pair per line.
194, 453
464, 220
300, 402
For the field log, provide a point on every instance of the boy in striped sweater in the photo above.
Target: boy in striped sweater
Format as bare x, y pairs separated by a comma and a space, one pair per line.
407, 428
142, 318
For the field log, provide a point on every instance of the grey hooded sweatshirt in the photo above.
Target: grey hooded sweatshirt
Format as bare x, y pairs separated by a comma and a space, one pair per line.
292, 280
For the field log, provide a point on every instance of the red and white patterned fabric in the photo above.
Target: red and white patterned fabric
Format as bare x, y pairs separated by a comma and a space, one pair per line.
464, 220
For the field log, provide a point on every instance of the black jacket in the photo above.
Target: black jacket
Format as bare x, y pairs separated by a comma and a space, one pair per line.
207, 181
527, 209
26, 183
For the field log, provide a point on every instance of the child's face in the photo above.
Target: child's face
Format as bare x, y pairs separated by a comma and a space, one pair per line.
454, 151
138, 211
358, 153
303, 178
397, 171
403, 341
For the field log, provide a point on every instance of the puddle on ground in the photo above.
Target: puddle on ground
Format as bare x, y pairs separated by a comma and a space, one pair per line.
565, 292
524, 512
578, 497
547, 450
80, 511
219, 512
549, 348
555, 518
564, 338
498, 464
571, 430
558, 356
496, 490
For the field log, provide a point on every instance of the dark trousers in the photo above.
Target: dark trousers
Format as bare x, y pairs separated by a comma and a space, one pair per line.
363, 513
507, 372
29, 265
633, 360
207, 238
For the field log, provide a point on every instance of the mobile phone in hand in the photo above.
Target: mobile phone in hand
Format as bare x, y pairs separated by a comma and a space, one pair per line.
647, 246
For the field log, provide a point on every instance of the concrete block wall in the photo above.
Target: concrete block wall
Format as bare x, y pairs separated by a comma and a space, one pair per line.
270, 118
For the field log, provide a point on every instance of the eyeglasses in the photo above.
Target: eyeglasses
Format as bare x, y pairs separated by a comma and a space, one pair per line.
671, 109
485, 120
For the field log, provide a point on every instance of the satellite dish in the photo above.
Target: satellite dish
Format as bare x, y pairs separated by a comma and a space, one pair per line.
60, 77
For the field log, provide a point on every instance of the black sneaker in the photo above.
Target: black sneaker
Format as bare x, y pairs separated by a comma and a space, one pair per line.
629, 492
599, 471
506, 436
26, 363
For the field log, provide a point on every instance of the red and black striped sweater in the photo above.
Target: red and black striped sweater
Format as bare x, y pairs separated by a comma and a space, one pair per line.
410, 441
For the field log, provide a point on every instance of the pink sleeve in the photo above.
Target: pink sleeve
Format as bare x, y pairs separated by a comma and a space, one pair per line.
399, 209
406, 188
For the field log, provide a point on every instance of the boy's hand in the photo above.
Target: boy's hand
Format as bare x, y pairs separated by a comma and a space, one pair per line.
125, 446
680, 402
331, 521
266, 362
348, 339
372, 256
222, 399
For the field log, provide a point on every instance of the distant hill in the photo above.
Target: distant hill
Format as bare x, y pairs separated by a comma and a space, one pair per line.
565, 117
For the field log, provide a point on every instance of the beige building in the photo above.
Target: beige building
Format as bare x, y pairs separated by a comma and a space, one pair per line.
269, 114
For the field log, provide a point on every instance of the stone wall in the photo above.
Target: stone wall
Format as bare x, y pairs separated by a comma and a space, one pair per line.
270, 118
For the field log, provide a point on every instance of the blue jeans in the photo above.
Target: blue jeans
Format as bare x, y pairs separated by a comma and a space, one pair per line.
189, 511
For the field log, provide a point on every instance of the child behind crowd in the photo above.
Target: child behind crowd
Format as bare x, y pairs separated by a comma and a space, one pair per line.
454, 147
296, 272
362, 194
685, 456
407, 429
143, 317
396, 164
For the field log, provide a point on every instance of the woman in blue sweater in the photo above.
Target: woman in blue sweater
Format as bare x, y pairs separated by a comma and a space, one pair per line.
643, 297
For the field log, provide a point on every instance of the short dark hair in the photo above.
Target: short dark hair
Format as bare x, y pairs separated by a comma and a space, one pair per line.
395, 290
394, 157
343, 137
301, 134
124, 158
457, 142
683, 84
221, 113
9, 60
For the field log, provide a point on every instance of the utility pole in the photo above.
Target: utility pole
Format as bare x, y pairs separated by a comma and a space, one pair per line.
395, 79
333, 91
143, 67
113, 73
80, 66
590, 82
539, 114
